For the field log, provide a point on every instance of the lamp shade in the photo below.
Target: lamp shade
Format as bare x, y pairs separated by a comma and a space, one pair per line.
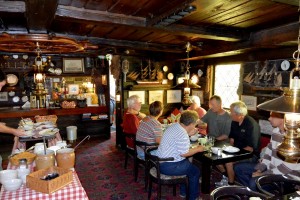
289, 102
187, 84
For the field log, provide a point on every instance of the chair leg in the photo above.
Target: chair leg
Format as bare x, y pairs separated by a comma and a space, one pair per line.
187, 190
136, 169
126, 158
159, 191
146, 178
149, 190
174, 190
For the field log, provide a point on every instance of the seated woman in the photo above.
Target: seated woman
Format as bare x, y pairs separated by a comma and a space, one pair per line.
150, 129
132, 117
175, 143
196, 106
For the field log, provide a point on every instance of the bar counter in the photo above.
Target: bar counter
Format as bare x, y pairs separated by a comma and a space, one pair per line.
8, 112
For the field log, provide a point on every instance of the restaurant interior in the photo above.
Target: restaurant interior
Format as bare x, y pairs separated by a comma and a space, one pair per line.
71, 66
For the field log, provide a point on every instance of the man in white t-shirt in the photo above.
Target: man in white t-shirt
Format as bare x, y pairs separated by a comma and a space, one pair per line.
175, 143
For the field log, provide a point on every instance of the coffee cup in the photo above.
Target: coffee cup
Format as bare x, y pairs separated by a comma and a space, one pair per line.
202, 141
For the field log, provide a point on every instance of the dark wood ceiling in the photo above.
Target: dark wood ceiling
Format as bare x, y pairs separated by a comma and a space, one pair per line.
216, 28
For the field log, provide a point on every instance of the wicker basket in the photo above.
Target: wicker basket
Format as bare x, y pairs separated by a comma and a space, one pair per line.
29, 156
34, 182
46, 118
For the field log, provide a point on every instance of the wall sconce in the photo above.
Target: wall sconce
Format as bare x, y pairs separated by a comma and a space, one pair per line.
118, 97
104, 80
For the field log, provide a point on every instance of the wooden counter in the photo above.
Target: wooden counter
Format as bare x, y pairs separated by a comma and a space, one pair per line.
19, 112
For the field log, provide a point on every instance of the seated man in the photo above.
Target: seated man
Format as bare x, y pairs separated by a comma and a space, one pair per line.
175, 143
217, 119
247, 173
244, 134
150, 129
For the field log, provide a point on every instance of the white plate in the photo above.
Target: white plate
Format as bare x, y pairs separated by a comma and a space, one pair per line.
24, 98
58, 71
11, 79
231, 149
11, 93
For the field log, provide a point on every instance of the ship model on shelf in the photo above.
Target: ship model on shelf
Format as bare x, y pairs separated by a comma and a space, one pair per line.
146, 76
264, 77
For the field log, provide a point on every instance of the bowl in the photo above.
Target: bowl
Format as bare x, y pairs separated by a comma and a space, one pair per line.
12, 184
215, 149
8, 174
22, 172
194, 138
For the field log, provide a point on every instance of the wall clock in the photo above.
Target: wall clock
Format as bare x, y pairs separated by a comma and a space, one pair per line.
285, 65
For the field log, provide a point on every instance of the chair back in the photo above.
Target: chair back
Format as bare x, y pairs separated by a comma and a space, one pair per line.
130, 137
274, 184
144, 145
235, 192
154, 161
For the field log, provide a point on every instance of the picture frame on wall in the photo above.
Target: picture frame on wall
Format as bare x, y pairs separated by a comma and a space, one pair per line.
141, 94
3, 96
156, 95
173, 96
250, 101
73, 65
73, 89
198, 93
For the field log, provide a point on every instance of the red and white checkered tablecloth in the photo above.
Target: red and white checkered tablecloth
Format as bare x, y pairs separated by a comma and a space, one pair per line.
72, 191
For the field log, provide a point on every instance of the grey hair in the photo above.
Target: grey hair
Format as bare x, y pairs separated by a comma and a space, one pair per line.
132, 100
239, 108
188, 117
196, 100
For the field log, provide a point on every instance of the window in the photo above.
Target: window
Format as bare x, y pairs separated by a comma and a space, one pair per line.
227, 83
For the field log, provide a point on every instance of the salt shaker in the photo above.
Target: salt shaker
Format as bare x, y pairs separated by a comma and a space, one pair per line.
23, 163
219, 152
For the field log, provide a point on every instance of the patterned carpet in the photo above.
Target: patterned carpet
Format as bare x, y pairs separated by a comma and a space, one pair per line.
99, 165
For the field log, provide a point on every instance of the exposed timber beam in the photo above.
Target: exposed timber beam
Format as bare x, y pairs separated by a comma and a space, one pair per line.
268, 38
12, 6
40, 14
99, 16
129, 44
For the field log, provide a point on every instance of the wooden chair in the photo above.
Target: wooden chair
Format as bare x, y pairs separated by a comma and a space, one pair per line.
235, 193
136, 159
277, 185
153, 172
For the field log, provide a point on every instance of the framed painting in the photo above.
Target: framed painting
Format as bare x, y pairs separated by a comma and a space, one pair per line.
141, 94
156, 95
73, 65
73, 89
198, 93
173, 96
250, 101
3, 96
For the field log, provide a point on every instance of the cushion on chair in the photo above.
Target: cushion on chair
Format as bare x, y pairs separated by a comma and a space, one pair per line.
163, 176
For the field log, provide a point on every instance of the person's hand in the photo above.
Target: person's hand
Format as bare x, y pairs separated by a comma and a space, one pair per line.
19, 132
200, 148
257, 173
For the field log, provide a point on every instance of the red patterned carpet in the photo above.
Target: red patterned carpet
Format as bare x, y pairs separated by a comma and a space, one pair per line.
99, 165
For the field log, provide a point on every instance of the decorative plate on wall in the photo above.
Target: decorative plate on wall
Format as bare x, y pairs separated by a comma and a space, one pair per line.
12, 79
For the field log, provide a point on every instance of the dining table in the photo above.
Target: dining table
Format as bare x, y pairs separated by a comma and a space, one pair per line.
73, 190
209, 159
291, 196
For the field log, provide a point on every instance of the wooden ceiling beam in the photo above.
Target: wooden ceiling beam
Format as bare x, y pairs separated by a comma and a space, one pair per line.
268, 38
12, 6
40, 14
99, 16
128, 44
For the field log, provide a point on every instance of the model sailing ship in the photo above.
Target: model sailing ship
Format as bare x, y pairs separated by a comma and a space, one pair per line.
264, 78
147, 75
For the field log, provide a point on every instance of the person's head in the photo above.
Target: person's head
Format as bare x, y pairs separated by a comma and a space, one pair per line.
133, 102
2, 79
276, 119
189, 119
195, 102
156, 108
215, 103
238, 111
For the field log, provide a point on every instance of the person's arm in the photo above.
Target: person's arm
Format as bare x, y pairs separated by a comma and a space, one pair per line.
193, 151
9, 130
222, 137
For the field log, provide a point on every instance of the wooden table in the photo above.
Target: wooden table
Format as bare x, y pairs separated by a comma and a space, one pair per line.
210, 159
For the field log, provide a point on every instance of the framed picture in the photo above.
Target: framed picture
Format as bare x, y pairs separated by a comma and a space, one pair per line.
173, 96
156, 95
3, 96
250, 101
198, 93
73, 65
73, 89
141, 94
